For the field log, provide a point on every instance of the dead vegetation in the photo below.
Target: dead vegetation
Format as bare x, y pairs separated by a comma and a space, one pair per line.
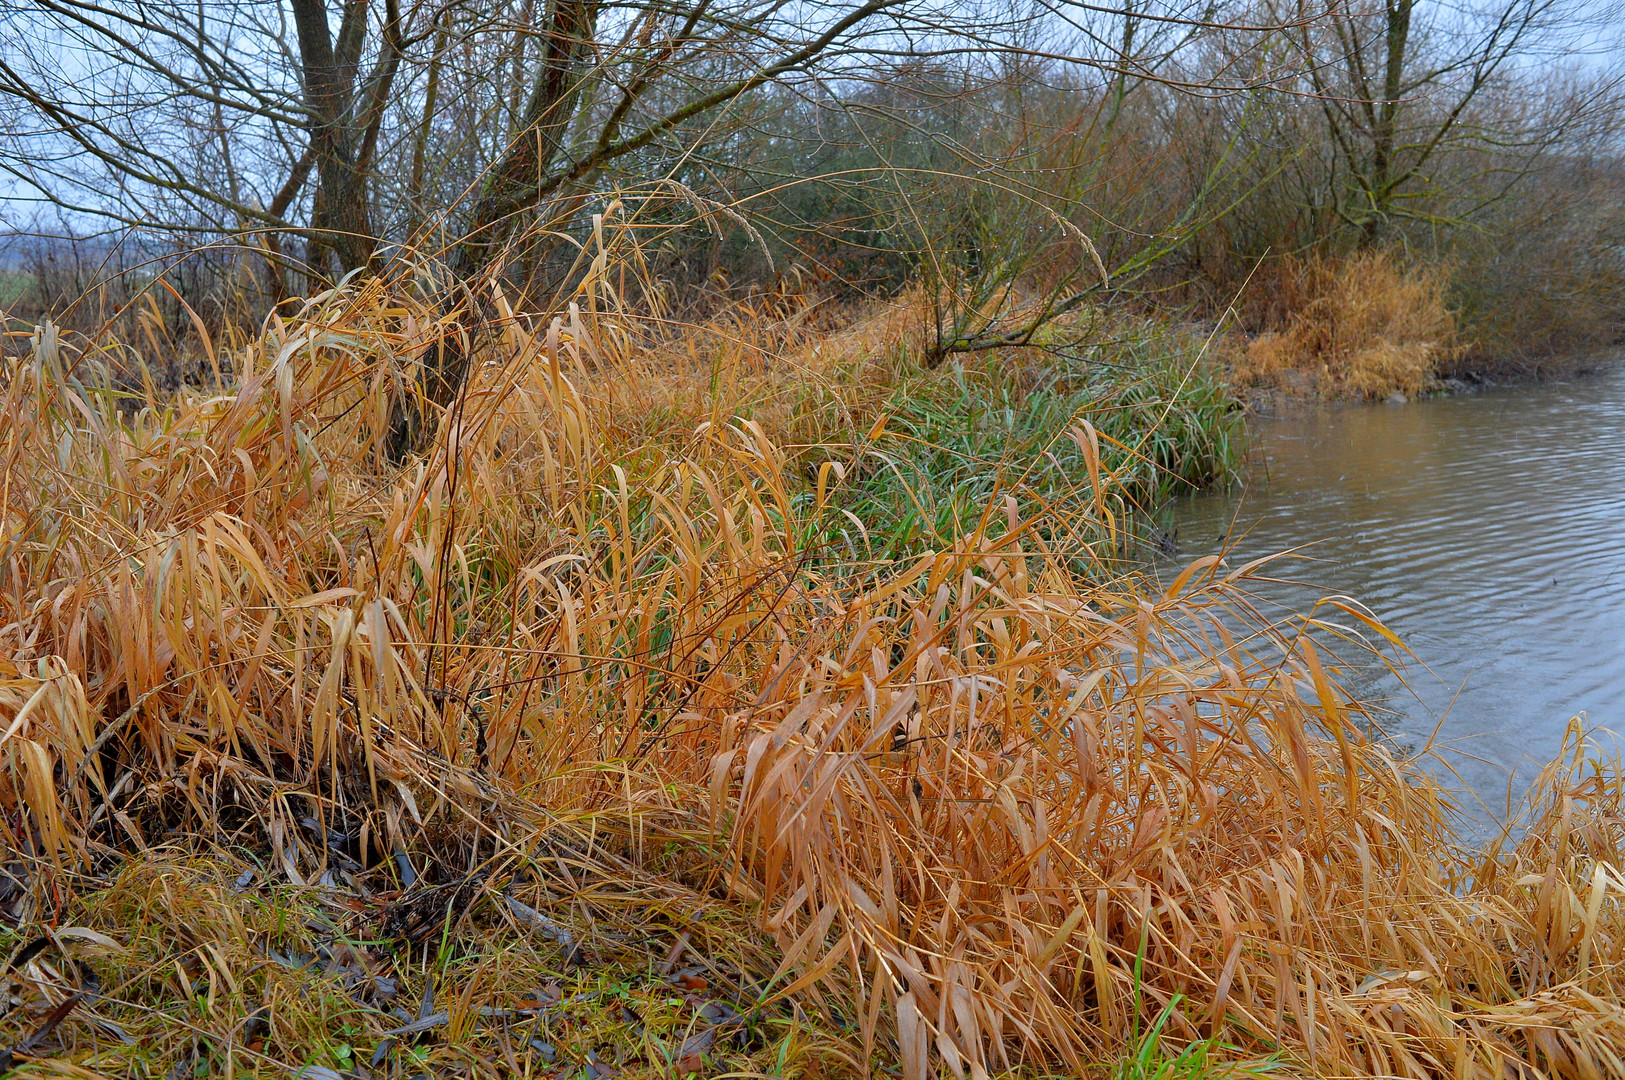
1365, 326
580, 748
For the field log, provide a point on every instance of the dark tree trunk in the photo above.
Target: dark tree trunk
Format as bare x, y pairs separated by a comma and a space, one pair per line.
512, 189
1380, 183
515, 184
341, 222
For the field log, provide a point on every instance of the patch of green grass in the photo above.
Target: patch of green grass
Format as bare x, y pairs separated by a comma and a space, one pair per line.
1203, 1059
960, 438
14, 285
200, 972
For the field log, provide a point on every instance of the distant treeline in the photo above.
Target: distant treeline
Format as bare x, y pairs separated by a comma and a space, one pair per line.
1167, 155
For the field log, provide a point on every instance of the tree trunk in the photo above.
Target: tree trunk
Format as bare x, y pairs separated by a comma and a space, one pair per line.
514, 185
512, 188
1379, 182
341, 220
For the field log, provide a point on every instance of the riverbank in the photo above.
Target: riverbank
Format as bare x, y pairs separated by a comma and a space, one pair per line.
1376, 326
1275, 401
781, 708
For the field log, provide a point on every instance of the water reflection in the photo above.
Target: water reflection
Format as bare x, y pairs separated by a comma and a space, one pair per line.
1487, 531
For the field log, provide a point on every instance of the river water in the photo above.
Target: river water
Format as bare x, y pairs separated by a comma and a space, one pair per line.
1486, 530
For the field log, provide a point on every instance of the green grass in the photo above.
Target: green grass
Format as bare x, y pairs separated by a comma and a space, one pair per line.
1203, 1059
14, 285
960, 438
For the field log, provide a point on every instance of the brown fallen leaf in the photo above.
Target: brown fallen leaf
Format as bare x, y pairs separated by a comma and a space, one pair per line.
257, 1026
8, 1058
691, 1055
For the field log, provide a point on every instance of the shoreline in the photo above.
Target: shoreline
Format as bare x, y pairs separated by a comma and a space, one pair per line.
1277, 400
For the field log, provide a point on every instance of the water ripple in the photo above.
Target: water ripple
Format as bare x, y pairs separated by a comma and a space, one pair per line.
1487, 531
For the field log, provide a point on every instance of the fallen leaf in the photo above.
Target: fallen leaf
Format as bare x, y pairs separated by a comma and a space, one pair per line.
531, 919
84, 933
422, 1023
8, 1058
691, 1055
718, 1012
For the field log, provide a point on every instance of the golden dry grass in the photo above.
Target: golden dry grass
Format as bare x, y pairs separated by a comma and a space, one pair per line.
1365, 327
992, 808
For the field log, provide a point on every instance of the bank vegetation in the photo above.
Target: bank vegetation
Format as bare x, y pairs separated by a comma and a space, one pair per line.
580, 541
688, 709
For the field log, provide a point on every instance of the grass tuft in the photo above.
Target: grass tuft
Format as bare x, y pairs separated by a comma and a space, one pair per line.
1202, 1059
1366, 326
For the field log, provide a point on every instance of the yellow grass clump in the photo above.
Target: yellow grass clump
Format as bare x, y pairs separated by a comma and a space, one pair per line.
1366, 327
546, 700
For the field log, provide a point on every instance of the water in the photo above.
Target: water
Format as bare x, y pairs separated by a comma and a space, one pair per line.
1487, 531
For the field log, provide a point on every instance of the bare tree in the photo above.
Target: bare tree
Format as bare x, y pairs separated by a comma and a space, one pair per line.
203, 119
459, 128
212, 117
344, 113
1400, 82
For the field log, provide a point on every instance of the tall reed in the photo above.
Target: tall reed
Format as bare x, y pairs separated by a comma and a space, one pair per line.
991, 805
1362, 326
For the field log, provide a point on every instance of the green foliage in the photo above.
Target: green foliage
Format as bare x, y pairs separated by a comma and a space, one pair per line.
960, 438
1204, 1059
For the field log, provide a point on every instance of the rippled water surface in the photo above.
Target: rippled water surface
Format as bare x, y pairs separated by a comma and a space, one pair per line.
1488, 531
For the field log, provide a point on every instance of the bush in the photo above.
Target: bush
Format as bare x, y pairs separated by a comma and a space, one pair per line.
1548, 287
1365, 327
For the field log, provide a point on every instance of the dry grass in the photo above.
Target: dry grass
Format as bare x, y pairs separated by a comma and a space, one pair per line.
1365, 327
993, 807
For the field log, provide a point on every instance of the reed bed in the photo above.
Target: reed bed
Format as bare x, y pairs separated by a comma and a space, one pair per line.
1365, 326
587, 739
